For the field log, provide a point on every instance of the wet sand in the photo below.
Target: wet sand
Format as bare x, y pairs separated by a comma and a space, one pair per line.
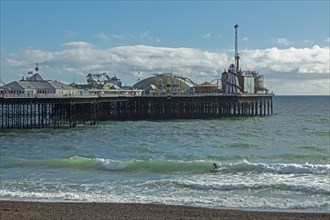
68, 210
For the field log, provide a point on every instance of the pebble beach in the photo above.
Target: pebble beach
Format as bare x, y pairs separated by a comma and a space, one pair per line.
68, 210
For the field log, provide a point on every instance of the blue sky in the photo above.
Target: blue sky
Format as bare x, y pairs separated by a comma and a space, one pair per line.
195, 38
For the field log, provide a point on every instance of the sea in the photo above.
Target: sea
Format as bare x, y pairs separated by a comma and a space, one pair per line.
279, 162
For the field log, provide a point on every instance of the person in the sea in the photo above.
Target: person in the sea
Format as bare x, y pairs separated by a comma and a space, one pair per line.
215, 166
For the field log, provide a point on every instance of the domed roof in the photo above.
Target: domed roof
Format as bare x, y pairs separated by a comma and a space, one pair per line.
161, 79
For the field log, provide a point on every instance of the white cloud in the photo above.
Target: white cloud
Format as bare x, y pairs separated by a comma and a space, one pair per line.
286, 70
283, 41
145, 34
102, 36
308, 42
299, 87
303, 60
143, 37
120, 36
147, 37
77, 44
206, 36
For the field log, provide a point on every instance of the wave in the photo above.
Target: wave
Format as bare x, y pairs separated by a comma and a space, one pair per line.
289, 157
180, 191
85, 163
169, 166
279, 168
75, 162
242, 202
157, 166
247, 187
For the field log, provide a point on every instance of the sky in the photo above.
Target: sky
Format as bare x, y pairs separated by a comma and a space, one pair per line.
286, 41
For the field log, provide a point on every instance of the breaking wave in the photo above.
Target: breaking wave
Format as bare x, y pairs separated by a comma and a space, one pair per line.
169, 166
280, 168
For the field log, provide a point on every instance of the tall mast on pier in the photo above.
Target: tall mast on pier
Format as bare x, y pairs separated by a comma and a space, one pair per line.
236, 49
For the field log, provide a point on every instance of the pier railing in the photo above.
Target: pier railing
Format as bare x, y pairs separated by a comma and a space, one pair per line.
132, 93
50, 95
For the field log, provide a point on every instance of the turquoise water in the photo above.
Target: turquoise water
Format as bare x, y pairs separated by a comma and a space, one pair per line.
277, 162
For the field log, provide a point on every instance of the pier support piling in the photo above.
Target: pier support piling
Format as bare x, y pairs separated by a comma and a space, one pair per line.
16, 113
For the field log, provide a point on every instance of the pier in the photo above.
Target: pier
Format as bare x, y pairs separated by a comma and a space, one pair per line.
58, 112
34, 102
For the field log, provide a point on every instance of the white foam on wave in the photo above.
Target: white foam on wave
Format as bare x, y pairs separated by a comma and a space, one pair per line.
240, 186
204, 190
281, 168
233, 201
111, 164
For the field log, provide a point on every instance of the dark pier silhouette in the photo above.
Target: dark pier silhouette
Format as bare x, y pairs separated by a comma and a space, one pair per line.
56, 112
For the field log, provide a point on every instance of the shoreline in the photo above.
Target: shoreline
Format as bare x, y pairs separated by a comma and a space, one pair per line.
13, 209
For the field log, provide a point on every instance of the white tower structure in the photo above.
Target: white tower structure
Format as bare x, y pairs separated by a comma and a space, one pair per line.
236, 49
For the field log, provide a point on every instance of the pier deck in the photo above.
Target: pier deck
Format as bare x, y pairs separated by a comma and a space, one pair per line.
56, 112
